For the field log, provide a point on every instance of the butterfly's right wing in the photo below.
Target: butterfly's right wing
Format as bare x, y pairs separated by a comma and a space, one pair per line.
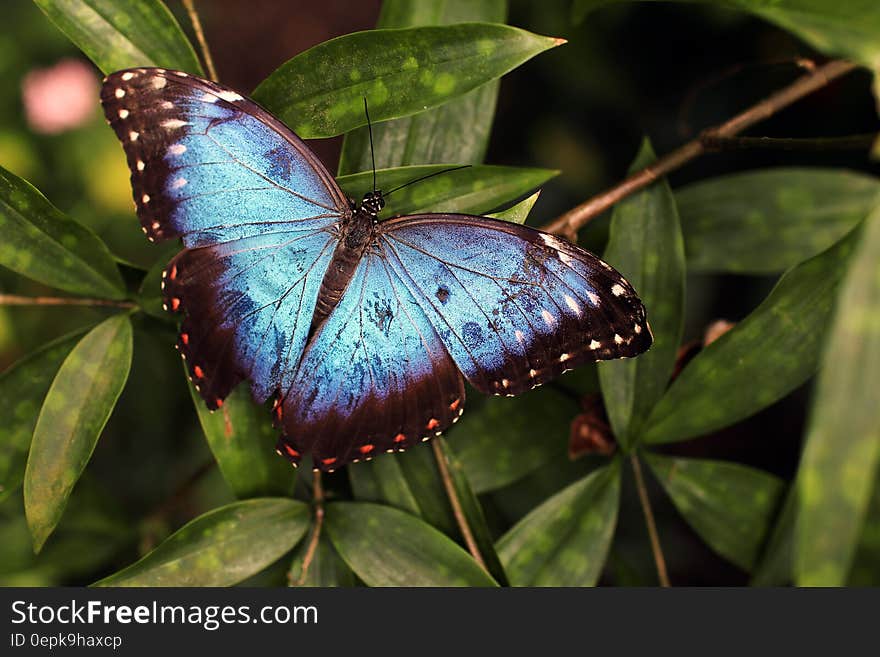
256, 209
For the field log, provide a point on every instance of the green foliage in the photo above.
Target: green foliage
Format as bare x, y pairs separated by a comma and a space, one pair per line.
646, 246
76, 408
117, 34
400, 72
840, 462
222, 547
503, 485
41, 243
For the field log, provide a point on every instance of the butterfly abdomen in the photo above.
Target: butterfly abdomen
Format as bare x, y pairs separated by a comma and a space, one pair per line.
355, 235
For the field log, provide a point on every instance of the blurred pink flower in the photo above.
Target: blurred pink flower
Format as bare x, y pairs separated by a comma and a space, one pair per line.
61, 97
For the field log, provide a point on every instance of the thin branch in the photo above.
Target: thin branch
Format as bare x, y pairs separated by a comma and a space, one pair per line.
457, 510
570, 222
318, 500
16, 300
847, 143
200, 37
659, 559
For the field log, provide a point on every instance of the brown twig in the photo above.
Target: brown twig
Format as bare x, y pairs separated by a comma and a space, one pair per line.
864, 142
659, 559
16, 300
200, 37
318, 500
570, 222
457, 510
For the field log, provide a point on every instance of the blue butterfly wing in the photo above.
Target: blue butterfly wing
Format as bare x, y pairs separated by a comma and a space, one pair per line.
515, 307
256, 210
374, 378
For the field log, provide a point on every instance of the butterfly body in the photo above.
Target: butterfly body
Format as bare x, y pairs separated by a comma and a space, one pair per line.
361, 331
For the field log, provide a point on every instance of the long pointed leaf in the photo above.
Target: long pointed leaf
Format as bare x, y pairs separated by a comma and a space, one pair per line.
221, 547
23, 387
388, 547
456, 131
728, 504
766, 356
42, 243
647, 247
565, 540
842, 453
118, 34
242, 439
765, 221
320, 93
77, 407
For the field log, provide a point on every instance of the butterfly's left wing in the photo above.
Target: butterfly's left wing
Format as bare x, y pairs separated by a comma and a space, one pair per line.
514, 306
374, 378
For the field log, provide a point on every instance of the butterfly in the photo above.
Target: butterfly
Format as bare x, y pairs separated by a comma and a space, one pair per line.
360, 332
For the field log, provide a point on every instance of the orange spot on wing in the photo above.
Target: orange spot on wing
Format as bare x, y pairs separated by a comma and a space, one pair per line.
219, 402
329, 461
198, 372
454, 405
399, 438
366, 449
175, 303
173, 273
184, 338
291, 452
433, 423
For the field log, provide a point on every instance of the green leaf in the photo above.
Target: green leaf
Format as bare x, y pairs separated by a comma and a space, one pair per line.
840, 461
766, 221
326, 569
473, 513
729, 505
242, 439
763, 358
646, 246
42, 243
776, 565
565, 540
117, 34
388, 547
383, 480
474, 190
149, 297
77, 407
518, 213
865, 570
456, 131
221, 547
503, 440
23, 386
320, 93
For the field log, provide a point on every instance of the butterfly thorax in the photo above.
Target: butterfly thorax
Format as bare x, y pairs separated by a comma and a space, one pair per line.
355, 234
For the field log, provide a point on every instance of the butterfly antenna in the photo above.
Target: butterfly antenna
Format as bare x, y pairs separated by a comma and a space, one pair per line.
372, 151
430, 175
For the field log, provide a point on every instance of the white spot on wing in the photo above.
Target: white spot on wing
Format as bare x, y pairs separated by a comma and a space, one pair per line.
178, 183
140, 165
209, 98
617, 289
595, 344
127, 76
159, 82
618, 339
145, 198
563, 358
133, 135
567, 259
549, 319
123, 113
120, 93
533, 373
230, 96
637, 329
593, 297
571, 303
173, 123
519, 336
